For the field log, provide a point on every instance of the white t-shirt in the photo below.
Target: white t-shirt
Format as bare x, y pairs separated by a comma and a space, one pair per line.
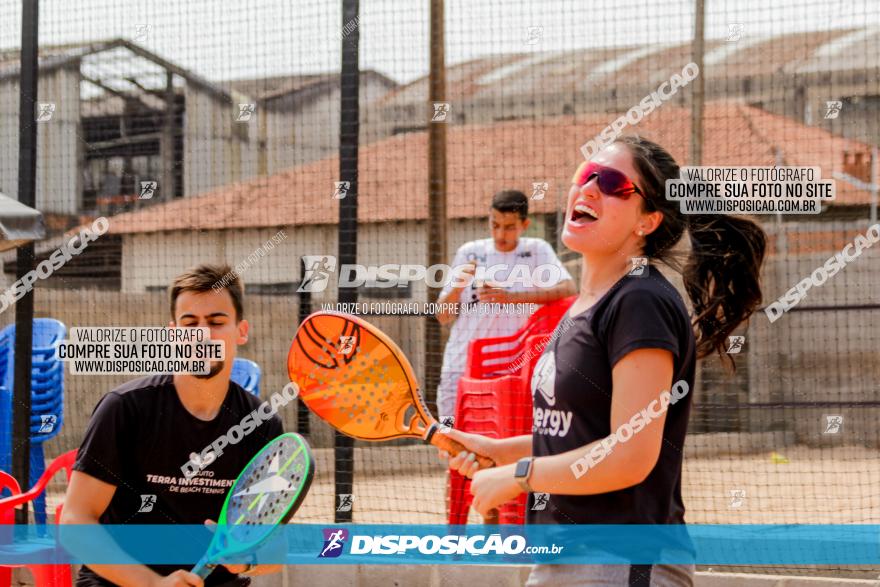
531, 265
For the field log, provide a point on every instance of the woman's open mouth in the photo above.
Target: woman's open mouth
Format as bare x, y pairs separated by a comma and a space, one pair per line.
582, 214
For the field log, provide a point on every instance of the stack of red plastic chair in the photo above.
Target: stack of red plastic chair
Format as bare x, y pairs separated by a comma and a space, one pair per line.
44, 575
495, 398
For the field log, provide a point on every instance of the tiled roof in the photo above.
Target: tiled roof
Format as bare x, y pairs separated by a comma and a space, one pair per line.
481, 160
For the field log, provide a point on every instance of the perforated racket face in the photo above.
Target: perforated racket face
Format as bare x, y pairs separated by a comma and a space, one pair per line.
356, 379
267, 492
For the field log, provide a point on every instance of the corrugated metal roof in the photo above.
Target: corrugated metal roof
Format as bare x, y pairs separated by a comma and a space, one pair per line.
460, 81
606, 69
257, 87
276, 86
722, 52
832, 48
128, 59
859, 49
611, 67
514, 68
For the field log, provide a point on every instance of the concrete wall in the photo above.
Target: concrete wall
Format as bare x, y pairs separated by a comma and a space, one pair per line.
807, 364
273, 321
58, 141
299, 134
859, 118
273, 324
818, 356
217, 149
805, 356
152, 259
302, 128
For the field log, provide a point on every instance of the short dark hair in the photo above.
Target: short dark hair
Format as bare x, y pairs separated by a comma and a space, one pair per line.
206, 278
511, 201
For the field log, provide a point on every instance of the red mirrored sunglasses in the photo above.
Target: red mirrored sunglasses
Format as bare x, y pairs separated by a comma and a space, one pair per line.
611, 182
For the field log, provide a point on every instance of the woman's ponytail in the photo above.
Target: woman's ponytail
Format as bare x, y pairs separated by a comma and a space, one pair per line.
722, 276
722, 273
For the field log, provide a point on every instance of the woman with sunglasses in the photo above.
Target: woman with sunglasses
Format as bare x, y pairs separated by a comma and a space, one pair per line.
608, 436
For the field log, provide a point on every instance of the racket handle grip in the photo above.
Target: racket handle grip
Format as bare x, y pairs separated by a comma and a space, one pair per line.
443, 442
201, 569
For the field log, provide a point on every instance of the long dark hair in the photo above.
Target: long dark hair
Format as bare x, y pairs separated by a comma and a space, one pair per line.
722, 273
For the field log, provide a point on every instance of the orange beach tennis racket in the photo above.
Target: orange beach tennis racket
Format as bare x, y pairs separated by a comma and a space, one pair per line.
355, 378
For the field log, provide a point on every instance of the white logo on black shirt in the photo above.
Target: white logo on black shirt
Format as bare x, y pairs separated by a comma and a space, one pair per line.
544, 420
544, 378
551, 422
196, 458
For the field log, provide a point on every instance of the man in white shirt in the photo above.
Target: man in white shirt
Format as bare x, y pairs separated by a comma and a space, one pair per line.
506, 271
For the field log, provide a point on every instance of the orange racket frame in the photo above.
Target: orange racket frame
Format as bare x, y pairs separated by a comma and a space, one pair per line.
354, 377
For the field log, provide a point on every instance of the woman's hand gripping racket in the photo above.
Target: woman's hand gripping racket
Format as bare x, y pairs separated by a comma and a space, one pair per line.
266, 494
353, 376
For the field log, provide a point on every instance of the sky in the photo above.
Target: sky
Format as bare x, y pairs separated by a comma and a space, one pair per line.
225, 39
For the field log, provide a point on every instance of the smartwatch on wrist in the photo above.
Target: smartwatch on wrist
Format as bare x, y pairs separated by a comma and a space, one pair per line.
522, 473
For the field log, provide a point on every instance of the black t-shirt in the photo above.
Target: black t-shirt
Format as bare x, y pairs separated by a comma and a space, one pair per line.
139, 437
572, 388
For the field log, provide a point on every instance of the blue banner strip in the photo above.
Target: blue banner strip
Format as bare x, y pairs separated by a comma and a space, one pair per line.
440, 544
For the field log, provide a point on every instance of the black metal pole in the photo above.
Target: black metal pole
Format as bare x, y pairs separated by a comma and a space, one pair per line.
24, 308
697, 106
699, 87
349, 122
437, 240
305, 308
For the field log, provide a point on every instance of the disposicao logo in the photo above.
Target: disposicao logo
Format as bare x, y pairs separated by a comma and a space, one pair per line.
334, 541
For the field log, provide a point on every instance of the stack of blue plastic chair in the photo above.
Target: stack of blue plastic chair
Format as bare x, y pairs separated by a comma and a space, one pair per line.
247, 374
47, 397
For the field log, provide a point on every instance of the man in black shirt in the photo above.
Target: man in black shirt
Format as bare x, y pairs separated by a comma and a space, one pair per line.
131, 466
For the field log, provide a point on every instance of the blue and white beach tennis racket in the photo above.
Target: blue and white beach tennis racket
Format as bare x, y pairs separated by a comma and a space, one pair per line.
265, 496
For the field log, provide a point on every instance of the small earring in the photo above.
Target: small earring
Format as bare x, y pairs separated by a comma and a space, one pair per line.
641, 233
